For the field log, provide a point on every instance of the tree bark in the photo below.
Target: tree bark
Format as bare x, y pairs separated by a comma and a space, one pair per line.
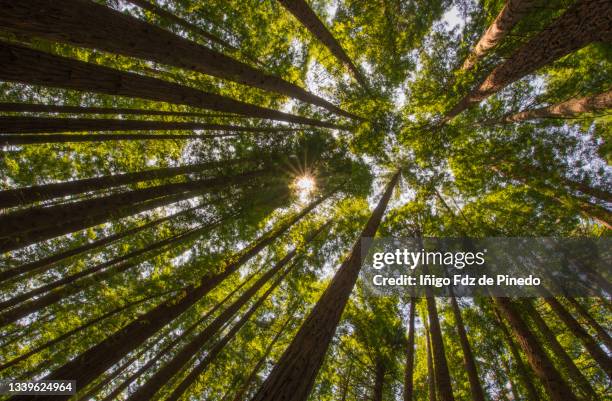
585, 22
512, 12
431, 375
553, 383
84, 23
409, 369
49, 125
567, 362
599, 355
468, 357
182, 357
602, 334
37, 193
85, 367
307, 17
293, 376
443, 380
379, 381
52, 108
34, 67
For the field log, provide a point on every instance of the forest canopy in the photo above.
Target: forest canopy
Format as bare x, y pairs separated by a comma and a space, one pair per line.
185, 185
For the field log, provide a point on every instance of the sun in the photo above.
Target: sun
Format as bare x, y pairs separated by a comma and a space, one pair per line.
304, 186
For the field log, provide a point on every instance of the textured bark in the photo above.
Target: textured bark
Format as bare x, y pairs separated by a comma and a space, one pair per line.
585, 22
51, 108
85, 367
512, 12
553, 383
293, 376
36, 193
84, 23
443, 380
409, 368
379, 381
602, 333
566, 361
589, 343
28, 66
49, 125
523, 371
244, 387
182, 357
22, 228
468, 358
431, 376
307, 17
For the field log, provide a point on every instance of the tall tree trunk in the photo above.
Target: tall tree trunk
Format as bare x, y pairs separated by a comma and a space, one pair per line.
585, 22
602, 334
185, 354
34, 67
443, 380
203, 365
431, 375
244, 387
18, 139
468, 357
512, 12
49, 125
36, 193
379, 381
522, 370
87, 24
553, 383
53, 108
566, 361
85, 367
409, 368
22, 228
293, 376
599, 355
307, 17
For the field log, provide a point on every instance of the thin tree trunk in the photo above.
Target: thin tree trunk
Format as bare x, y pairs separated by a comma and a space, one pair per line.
307, 17
52, 108
566, 361
553, 383
22, 228
203, 365
468, 357
523, 371
49, 125
84, 23
409, 369
85, 367
294, 374
585, 22
379, 381
36, 193
443, 381
431, 375
602, 334
28, 66
512, 12
599, 355
244, 387
185, 354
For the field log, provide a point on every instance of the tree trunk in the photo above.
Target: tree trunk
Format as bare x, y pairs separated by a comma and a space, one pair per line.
443, 380
34, 67
566, 361
85, 367
409, 369
52, 108
84, 23
523, 371
307, 17
599, 355
36, 193
512, 12
48, 125
293, 376
182, 357
17, 227
585, 22
203, 365
468, 357
602, 334
555, 386
379, 381
431, 375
